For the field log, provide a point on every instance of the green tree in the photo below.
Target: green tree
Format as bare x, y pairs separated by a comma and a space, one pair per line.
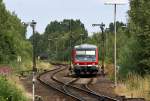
13, 42
59, 36
139, 16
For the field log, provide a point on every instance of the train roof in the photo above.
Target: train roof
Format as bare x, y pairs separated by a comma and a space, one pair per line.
85, 46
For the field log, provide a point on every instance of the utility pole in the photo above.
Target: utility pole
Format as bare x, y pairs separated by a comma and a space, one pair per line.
103, 50
56, 48
115, 3
63, 47
64, 51
106, 41
49, 48
70, 42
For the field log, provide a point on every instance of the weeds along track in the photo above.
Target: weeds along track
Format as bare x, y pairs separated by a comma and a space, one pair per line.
108, 98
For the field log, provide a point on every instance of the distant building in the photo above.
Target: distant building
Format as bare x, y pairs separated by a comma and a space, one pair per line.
43, 56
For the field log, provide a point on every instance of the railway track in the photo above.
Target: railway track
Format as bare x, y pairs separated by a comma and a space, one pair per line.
120, 98
44, 78
68, 89
85, 95
106, 98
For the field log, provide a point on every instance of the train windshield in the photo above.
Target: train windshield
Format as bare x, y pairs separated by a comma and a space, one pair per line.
86, 55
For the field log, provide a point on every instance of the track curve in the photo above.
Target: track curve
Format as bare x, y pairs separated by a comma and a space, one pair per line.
76, 93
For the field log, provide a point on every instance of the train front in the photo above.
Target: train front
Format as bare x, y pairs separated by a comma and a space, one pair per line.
85, 59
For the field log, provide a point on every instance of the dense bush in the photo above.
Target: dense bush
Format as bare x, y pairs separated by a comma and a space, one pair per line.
7, 90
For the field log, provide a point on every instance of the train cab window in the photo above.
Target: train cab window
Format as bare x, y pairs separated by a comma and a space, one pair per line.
85, 52
90, 52
86, 55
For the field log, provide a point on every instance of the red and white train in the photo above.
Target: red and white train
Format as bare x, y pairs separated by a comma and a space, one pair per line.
85, 59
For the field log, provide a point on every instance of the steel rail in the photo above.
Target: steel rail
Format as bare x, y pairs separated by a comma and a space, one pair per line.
83, 98
100, 97
65, 87
107, 98
54, 87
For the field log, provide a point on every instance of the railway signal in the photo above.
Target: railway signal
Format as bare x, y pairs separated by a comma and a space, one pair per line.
115, 3
32, 24
103, 53
34, 69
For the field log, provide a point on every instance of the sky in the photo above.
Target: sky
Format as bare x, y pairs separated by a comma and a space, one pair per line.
45, 11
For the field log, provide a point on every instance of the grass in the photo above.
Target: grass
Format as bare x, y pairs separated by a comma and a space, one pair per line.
109, 70
10, 88
43, 65
135, 86
27, 65
13, 80
11, 85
